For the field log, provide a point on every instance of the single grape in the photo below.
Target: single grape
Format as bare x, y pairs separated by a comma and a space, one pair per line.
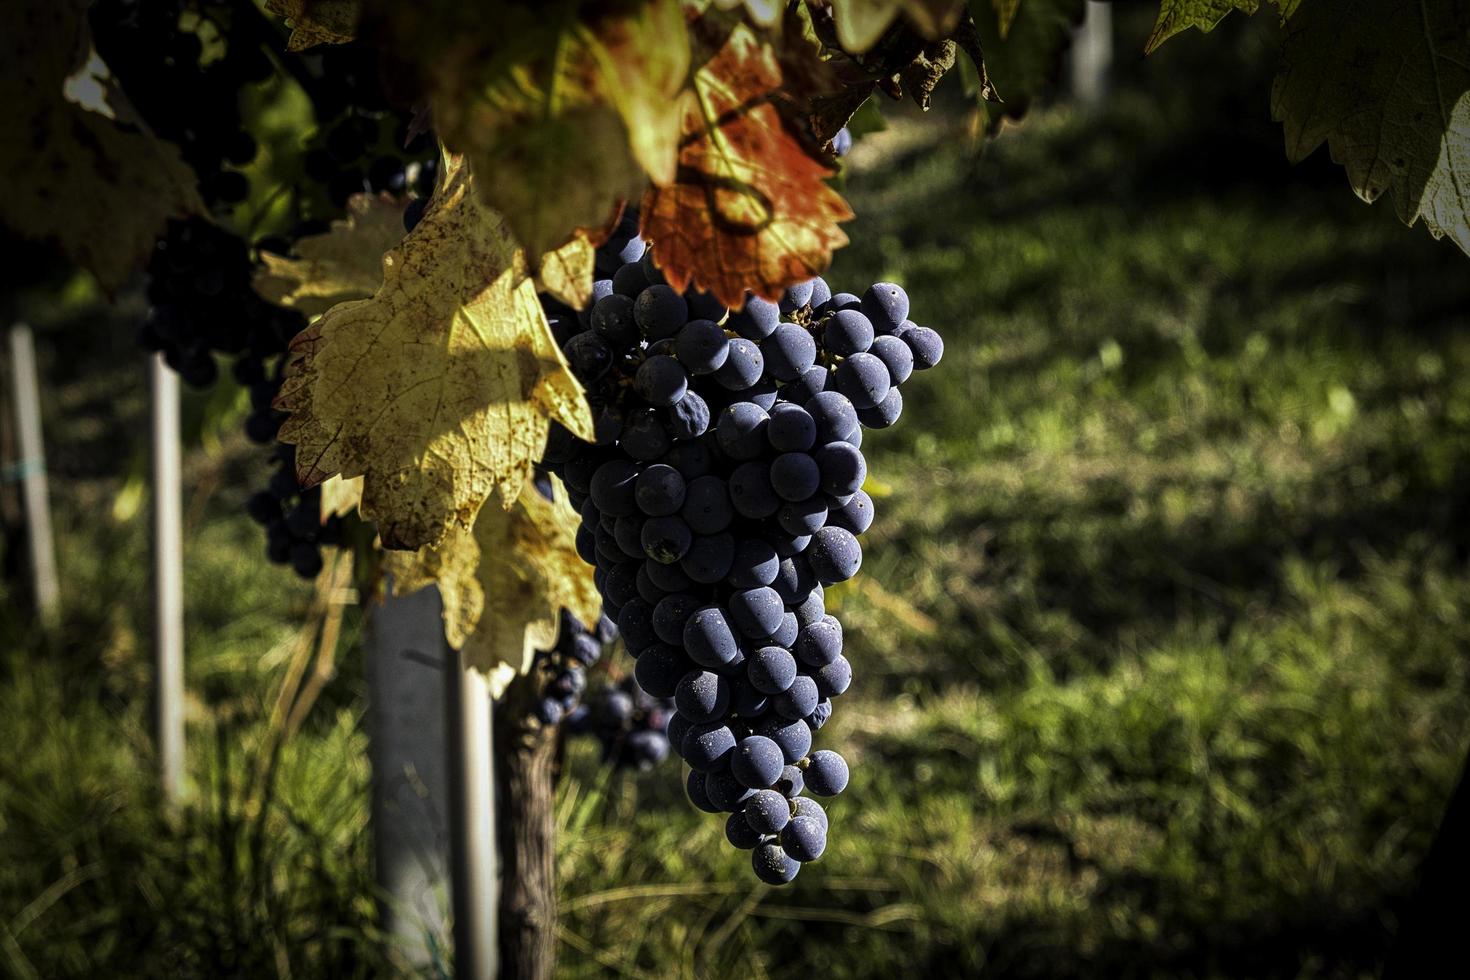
847, 332
804, 839
796, 475
773, 865
757, 762
661, 380
788, 352
863, 379
702, 347
826, 773
767, 811
926, 345
886, 305
660, 312
756, 319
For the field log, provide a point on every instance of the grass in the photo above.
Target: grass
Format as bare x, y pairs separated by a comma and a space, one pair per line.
1161, 636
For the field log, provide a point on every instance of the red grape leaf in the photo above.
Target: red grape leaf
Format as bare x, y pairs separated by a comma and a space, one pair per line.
748, 208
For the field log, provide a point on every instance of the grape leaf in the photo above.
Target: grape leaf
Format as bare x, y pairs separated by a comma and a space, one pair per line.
343, 263
1177, 16
74, 175
505, 581
861, 22
439, 389
566, 272
316, 22
1386, 84
340, 497
748, 209
1021, 62
1005, 13
571, 127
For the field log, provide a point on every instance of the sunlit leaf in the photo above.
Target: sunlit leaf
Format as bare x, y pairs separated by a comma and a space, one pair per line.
343, 263
505, 581
1386, 84
74, 175
749, 209
566, 272
438, 390
340, 497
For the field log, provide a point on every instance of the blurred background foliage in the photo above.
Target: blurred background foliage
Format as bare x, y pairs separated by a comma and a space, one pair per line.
1161, 640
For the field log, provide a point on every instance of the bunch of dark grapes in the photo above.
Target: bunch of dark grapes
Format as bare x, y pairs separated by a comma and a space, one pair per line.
362, 145
631, 726
563, 668
184, 98
723, 493
201, 303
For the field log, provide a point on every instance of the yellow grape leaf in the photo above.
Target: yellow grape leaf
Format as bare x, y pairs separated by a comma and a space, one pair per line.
316, 22
1386, 84
340, 497
505, 581
861, 22
74, 176
573, 127
750, 209
566, 272
343, 263
642, 64
439, 389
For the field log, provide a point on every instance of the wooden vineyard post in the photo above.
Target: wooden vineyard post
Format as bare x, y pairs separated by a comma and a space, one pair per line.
168, 578
433, 795
472, 821
406, 659
524, 759
30, 470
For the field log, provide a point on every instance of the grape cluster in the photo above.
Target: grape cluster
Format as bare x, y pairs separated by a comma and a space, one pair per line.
563, 668
723, 493
630, 725
185, 98
201, 303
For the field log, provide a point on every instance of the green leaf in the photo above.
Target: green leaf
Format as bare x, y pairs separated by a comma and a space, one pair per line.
1176, 16
1386, 84
1005, 14
1029, 55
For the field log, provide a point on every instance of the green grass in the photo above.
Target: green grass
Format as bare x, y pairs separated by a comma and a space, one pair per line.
1160, 638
